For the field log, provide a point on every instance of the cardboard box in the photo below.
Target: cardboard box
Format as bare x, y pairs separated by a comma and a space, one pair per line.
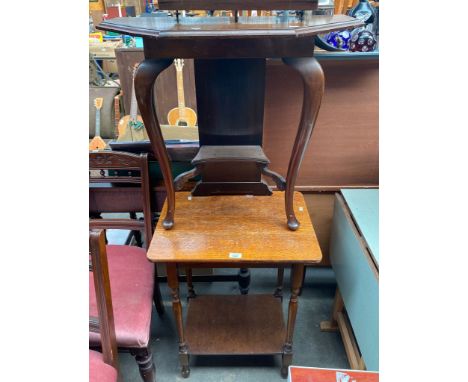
104, 49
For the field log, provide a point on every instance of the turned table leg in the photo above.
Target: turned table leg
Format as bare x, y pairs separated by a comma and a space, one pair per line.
191, 290
279, 283
296, 281
145, 78
173, 283
244, 280
313, 80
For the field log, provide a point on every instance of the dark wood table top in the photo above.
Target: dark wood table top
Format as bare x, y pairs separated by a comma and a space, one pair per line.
222, 27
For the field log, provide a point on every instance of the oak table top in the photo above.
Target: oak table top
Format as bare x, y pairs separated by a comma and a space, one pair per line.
235, 228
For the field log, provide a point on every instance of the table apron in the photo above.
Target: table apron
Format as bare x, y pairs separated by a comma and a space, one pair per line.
237, 264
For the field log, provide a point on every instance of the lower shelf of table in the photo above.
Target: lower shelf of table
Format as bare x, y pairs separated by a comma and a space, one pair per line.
235, 325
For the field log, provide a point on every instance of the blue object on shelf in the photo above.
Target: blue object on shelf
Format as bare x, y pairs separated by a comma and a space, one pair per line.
107, 37
339, 39
138, 42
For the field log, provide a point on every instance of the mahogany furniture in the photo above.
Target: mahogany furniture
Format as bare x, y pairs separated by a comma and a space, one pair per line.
343, 153
127, 171
133, 277
230, 58
102, 366
241, 231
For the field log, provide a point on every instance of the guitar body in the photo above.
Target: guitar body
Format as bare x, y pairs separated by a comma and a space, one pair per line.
185, 117
97, 143
181, 115
131, 130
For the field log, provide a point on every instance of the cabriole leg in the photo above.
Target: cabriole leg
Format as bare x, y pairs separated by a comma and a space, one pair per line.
145, 78
313, 80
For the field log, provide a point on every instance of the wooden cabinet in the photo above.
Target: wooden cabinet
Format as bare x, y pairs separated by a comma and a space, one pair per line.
354, 256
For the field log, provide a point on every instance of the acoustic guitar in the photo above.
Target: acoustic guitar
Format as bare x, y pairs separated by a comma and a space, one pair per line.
131, 127
181, 115
97, 143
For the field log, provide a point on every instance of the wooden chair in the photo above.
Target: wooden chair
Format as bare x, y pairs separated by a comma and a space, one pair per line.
133, 277
102, 366
126, 190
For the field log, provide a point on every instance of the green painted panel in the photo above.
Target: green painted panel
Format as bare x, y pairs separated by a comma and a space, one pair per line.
358, 285
364, 206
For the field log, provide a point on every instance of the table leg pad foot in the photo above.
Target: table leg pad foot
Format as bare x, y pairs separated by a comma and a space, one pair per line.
293, 224
185, 372
168, 224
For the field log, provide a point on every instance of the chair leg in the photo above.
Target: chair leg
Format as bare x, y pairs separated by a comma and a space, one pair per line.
157, 298
303, 279
144, 359
136, 234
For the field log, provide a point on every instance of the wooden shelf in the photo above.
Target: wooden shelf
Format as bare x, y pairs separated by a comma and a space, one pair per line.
236, 325
230, 153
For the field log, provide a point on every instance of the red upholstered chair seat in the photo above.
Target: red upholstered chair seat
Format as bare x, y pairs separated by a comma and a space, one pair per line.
132, 281
99, 371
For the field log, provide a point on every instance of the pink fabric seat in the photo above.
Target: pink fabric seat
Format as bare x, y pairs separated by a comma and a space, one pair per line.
99, 371
132, 282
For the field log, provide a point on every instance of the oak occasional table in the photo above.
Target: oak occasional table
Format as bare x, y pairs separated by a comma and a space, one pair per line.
241, 231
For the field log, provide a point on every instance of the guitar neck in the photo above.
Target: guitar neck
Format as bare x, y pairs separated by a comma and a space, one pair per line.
116, 110
180, 90
98, 123
133, 104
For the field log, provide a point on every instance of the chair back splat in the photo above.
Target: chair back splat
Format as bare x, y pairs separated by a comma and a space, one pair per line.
119, 182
